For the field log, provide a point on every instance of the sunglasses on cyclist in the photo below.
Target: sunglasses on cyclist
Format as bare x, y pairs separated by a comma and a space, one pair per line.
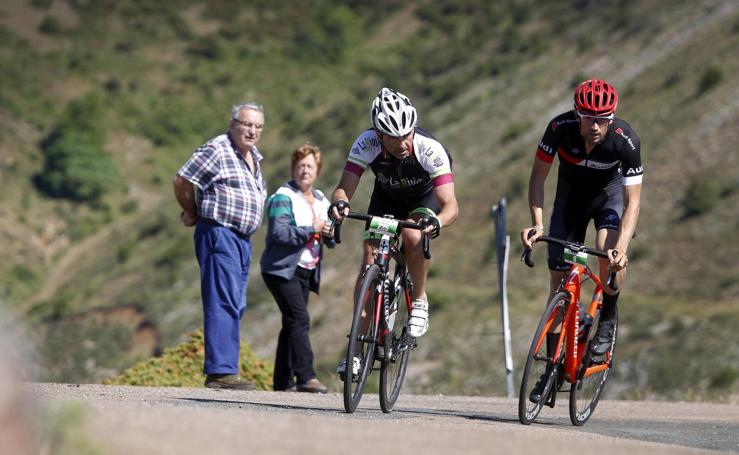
601, 120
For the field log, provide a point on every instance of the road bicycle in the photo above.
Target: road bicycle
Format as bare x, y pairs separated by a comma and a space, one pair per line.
573, 326
383, 335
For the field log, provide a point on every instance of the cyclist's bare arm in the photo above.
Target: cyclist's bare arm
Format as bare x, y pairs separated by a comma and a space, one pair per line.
632, 202
344, 191
539, 173
448, 202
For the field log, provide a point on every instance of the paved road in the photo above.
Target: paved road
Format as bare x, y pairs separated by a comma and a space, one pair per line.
146, 420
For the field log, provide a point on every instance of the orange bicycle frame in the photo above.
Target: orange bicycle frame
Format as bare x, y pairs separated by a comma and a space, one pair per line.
574, 348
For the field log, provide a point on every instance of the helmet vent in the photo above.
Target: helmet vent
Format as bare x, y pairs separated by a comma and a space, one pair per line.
393, 113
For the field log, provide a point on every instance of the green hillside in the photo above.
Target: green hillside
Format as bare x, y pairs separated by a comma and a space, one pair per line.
102, 101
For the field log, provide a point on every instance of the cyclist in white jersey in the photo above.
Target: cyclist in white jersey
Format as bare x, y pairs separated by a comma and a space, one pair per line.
413, 181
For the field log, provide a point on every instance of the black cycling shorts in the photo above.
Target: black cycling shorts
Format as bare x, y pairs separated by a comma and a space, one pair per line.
382, 203
573, 210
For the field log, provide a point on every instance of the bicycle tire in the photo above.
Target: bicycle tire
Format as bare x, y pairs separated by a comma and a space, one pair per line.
586, 392
359, 342
398, 345
537, 363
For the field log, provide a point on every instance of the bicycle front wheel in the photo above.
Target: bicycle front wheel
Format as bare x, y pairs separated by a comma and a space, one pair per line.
540, 374
591, 380
398, 345
362, 339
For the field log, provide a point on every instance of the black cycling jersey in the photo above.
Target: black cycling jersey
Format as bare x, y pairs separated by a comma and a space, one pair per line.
590, 186
615, 161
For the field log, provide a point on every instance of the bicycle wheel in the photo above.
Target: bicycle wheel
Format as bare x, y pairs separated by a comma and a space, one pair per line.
398, 345
362, 341
591, 380
539, 367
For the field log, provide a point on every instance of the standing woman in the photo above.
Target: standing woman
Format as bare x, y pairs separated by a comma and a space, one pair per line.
291, 266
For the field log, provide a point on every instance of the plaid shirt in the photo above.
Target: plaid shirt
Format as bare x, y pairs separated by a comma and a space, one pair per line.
228, 192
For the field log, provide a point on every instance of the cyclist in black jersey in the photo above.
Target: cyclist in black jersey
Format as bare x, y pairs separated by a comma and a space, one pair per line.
600, 176
413, 181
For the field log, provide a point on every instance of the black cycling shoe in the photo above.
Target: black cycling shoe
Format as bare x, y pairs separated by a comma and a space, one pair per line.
604, 338
535, 395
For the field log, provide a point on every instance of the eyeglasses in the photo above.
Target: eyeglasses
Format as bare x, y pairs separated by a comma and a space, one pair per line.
599, 120
247, 125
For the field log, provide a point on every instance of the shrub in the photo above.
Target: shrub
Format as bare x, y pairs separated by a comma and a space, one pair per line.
712, 76
22, 273
129, 206
76, 165
50, 25
209, 48
112, 85
701, 196
76, 169
182, 366
724, 378
328, 35
124, 252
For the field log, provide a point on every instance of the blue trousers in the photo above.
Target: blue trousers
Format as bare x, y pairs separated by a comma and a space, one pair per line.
224, 259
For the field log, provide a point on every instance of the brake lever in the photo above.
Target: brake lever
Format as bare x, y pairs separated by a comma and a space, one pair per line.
611, 281
336, 228
526, 255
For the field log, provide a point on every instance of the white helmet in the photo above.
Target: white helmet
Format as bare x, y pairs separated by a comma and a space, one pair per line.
393, 113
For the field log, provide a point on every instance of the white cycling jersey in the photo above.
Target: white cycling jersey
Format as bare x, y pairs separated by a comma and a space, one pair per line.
427, 166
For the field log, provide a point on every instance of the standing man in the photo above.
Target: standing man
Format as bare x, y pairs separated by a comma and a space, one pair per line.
600, 177
226, 209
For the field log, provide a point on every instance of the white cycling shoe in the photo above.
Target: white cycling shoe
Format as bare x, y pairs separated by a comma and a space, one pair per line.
356, 363
419, 321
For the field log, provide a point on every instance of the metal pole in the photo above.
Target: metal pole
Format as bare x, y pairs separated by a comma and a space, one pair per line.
502, 244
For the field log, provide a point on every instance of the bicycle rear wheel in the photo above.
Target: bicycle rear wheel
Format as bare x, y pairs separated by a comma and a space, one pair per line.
591, 380
398, 345
539, 367
362, 340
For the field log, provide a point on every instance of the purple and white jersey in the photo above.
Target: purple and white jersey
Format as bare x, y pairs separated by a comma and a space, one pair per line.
427, 166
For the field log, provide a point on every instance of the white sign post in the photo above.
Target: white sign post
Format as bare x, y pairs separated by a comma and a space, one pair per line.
502, 243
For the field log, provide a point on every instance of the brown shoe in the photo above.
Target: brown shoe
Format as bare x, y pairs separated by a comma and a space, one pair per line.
312, 386
228, 381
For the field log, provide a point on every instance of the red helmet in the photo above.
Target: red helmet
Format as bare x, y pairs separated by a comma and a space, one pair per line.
596, 98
